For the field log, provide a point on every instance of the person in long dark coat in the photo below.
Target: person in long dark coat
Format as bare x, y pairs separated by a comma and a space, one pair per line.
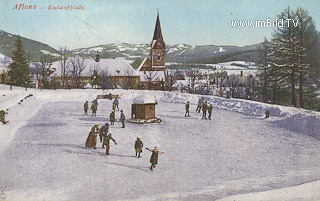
86, 107
107, 143
122, 117
112, 117
92, 137
187, 109
204, 110
154, 157
94, 109
200, 104
138, 146
104, 130
210, 111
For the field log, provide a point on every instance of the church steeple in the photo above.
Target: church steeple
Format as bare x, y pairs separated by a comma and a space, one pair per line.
157, 31
158, 48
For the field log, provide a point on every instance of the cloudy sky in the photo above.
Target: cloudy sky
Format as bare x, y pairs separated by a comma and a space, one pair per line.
201, 22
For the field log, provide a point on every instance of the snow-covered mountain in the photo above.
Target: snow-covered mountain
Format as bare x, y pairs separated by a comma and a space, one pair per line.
182, 53
175, 53
34, 49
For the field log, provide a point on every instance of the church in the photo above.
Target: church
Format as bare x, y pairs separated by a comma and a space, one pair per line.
152, 69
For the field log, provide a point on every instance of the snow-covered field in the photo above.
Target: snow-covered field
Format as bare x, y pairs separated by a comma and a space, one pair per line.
232, 157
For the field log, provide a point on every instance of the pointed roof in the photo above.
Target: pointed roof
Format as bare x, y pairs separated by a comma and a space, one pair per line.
157, 31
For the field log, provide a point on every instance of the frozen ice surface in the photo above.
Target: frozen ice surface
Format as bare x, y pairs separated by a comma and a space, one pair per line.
237, 152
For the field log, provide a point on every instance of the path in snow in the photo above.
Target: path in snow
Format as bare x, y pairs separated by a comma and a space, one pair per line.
203, 160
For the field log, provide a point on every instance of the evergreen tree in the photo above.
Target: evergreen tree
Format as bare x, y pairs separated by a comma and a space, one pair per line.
294, 60
308, 56
95, 79
19, 70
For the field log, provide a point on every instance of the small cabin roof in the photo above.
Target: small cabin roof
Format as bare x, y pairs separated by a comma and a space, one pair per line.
144, 99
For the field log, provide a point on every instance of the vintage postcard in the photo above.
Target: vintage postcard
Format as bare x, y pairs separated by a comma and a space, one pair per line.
159, 100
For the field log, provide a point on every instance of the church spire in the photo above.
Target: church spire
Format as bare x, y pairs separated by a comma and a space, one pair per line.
157, 31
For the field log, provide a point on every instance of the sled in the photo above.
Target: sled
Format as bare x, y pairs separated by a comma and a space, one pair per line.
108, 96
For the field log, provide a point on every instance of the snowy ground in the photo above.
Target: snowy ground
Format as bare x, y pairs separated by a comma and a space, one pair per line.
236, 154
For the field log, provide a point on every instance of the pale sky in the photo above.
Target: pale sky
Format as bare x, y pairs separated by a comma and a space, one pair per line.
201, 22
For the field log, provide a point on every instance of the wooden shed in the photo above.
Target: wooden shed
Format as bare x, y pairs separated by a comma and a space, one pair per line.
143, 108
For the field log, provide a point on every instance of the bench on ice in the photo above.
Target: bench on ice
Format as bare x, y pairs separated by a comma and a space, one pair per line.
108, 96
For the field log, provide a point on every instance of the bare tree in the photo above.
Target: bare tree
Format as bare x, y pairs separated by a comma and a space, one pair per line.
106, 81
170, 79
43, 69
129, 79
193, 75
64, 65
77, 67
152, 77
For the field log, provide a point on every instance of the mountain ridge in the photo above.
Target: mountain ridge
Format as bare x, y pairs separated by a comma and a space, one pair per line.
179, 53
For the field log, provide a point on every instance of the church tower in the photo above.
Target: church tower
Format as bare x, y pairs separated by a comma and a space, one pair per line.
158, 49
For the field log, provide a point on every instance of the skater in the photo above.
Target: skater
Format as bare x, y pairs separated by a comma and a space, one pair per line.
104, 130
116, 104
138, 146
94, 109
112, 117
86, 107
3, 117
92, 137
187, 109
107, 143
122, 117
200, 104
204, 110
154, 157
210, 111
95, 101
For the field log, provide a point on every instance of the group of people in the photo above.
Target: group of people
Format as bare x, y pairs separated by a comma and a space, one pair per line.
202, 104
115, 105
93, 108
106, 137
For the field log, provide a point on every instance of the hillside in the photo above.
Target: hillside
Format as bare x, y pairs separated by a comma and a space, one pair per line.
34, 49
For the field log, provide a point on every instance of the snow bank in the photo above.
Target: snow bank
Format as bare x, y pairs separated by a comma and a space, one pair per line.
308, 191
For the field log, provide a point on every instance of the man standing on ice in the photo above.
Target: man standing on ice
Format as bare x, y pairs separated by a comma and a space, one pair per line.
104, 130
94, 109
204, 110
138, 146
107, 143
200, 104
210, 111
122, 117
116, 104
154, 157
112, 117
86, 107
187, 109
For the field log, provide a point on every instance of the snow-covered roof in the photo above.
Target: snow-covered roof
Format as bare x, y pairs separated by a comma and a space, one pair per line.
145, 76
113, 67
144, 99
142, 63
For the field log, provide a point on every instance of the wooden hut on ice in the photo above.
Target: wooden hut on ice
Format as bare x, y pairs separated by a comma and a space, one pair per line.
143, 110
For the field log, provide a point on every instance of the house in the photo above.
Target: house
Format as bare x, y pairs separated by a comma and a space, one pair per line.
152, 70
115, 72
